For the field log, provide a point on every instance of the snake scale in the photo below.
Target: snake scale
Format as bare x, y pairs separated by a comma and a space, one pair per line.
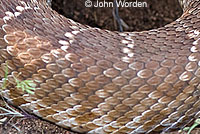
97, 81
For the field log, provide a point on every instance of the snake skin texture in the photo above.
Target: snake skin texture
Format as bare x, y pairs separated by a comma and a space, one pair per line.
97, 81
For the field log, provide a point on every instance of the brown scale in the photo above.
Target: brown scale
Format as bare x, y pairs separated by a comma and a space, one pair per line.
98, 81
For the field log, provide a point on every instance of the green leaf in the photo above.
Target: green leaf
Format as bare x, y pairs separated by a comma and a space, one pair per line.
189, 129
5, 77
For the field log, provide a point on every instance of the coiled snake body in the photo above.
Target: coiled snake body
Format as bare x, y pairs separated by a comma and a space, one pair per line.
97, 81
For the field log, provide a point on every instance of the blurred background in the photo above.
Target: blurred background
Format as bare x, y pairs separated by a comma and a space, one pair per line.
157, 13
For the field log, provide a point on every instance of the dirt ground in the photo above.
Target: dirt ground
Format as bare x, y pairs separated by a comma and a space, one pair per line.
158, 13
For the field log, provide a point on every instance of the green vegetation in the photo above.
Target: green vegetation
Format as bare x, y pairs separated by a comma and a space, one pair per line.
189, 129
26, 86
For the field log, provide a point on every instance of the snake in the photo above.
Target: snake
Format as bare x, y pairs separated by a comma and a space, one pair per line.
96, 81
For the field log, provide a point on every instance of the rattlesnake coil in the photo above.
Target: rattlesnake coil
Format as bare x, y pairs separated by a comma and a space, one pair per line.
97, 81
